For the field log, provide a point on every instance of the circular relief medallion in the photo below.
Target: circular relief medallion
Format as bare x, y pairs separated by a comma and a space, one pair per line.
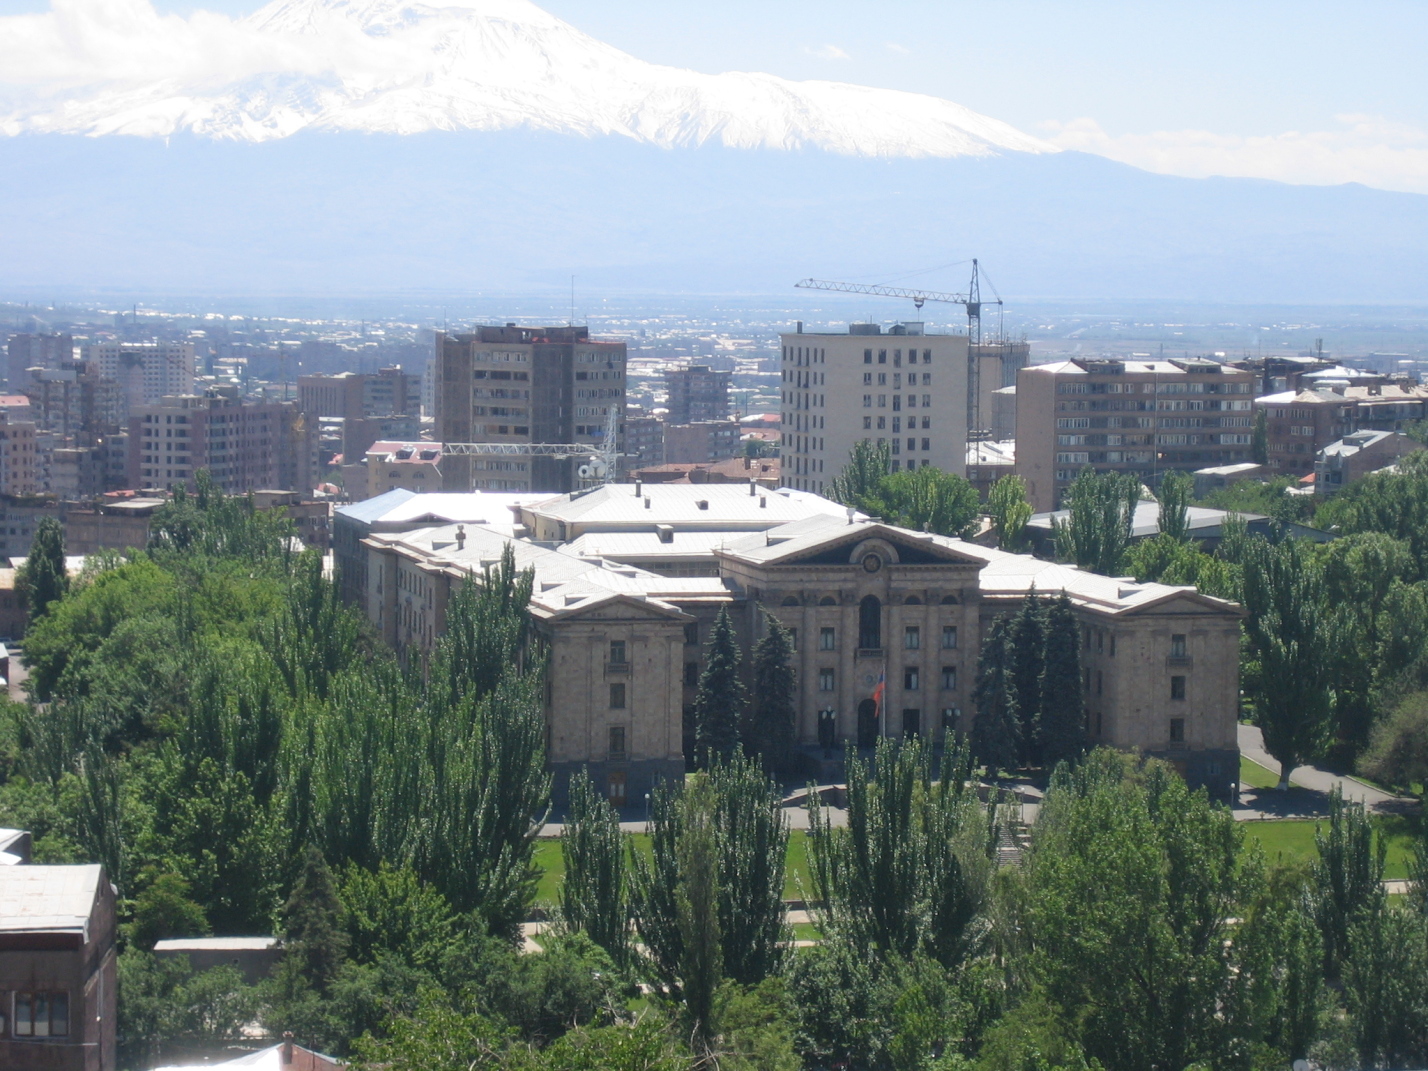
871, 563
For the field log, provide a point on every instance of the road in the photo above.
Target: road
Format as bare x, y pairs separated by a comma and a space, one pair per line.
1272, 803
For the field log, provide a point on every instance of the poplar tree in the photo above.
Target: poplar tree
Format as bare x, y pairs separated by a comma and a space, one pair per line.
1063, 735
1025, 658
769, 729
867, 464
721, 697
43, 577
1174, 498
594, 895
697, 901
1101, 514
1348, 875
995, 737
1009, 509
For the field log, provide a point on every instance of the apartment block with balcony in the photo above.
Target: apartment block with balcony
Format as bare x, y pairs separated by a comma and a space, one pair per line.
1299, 424
1139, 417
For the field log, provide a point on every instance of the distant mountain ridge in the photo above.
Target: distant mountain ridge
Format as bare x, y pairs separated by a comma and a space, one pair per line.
407, 67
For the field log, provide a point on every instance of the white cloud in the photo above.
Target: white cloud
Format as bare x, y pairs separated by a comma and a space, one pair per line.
1364, 148
828, 52
893, 46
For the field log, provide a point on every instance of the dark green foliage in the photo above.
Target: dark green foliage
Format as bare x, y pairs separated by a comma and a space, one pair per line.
209, 524
1128, 889
573, 983
1062, 715
1386, 987
1397, 753
756, 1027
1174, 495
1010, 510
996, 734
721, 697
1393, 503
390, 912
1290, 637
161, 1002
696, 897
43, 578
164, 909
595, 895
312, 931
927, 500
909, 874
1026, 659
748, 837
1168, 560
1098, 530
1348, 875
769, 730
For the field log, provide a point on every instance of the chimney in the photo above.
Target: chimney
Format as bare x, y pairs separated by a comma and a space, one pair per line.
287, 1048
851, 512
637, 487
752, 485
460, 537
647, 501
800, 327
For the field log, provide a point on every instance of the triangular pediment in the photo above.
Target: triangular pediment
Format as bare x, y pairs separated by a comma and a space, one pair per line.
911, 548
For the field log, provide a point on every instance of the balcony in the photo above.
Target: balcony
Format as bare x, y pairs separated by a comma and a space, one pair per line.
613, 669
1179, 661
870, 652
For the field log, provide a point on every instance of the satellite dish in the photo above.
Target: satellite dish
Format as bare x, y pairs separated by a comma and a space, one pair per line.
597, 469
583, 472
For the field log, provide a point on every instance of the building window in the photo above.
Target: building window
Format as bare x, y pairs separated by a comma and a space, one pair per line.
910, 679
867, 401
949, 678
41, 1015
617, 696
911, 723
827, 681
870, 623
1177, 646
867, 423
912, 638
827, 639
616, 788
691, 674
617, 652
1177, 687
949, 637
1177, 730
617, 743
691, 634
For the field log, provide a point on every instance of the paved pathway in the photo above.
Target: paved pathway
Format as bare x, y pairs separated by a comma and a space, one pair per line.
1309, 788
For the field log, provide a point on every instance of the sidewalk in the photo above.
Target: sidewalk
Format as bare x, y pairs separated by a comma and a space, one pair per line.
1309, 788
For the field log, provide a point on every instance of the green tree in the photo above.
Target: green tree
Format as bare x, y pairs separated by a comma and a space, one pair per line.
164, 909
43, 578
389, 912
769, 730
996, 735
594, 896
1062, 715
1174, 497
1397, 754
1010, 510
909, 874
696, 896
1124, 901
1348, 875
928, 500
312, 931
867, 464
1026, 660
1291, 639
1386, 987
720, 698
1097, 530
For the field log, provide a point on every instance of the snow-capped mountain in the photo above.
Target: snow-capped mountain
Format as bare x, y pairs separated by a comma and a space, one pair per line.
406, 67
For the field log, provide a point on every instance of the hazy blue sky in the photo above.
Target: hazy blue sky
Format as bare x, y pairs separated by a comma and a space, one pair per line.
1302, 91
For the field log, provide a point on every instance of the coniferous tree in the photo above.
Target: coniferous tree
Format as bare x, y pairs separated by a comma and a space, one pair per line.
769, 730
594, 895
43, 577
1063, 734
312, 923
721, 697
1025, 655
996, 736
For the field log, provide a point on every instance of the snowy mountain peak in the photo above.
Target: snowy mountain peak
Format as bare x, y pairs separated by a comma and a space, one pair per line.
406, 66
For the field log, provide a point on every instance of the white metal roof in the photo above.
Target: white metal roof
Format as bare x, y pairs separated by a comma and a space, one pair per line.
48, 898
216, 944
616, 505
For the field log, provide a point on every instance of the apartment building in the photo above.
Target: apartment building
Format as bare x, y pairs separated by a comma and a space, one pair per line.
629, 579
644, 440
371, 406
19, 457
521, 385
1357, 455
697, 393
905, 388
144, 371
1139, 417
1299, 424
245, 446
26, 351
702, 442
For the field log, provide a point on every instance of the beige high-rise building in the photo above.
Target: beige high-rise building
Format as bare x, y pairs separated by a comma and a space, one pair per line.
145, 371
905, 388
1142, 417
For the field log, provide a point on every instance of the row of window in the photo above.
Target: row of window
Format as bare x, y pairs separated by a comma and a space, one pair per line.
897, 357
911, 679
1244, 387
897, 379
36, 1015
896, 423
897, 401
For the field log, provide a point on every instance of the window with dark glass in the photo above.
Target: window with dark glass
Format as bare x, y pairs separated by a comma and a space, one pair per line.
870, 623
827, 639
617, 652
1178, 647
1177, 730
912, 638
949, 637
826, 680
617, 743
691, 633
949, 678
910, 681
41, 1015
691, 673
1177, 687
617, 696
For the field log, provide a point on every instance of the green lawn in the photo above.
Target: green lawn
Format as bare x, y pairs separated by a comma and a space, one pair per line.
1255, 775
552, 866
1292, 841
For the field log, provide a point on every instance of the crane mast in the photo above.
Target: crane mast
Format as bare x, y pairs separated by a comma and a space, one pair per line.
971, 301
